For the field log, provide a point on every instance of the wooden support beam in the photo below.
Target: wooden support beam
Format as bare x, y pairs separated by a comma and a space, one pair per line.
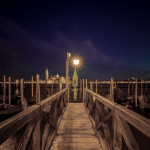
105, 119
9, 92
4, 89
127, 134
117, 136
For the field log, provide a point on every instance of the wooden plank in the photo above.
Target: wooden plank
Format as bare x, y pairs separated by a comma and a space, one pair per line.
127, 134
75, 130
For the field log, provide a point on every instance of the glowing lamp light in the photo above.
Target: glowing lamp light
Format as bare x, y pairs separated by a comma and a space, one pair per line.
76, 61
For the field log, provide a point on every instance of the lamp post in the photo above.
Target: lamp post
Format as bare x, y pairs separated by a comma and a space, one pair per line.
67, 73
75, 80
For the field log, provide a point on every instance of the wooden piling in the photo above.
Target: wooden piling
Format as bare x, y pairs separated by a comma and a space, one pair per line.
136, 86
60, 85
86, 86
141, 87
80, 89
9, 92
112, 89
96, 86
32, 94
128, 87
83, 90
4, 89
37, 88
22, 94
52, 90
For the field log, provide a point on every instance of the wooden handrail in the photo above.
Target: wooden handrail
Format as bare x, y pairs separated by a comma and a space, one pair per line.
10, 126
138, 121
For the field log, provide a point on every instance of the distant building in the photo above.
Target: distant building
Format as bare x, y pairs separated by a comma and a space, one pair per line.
46, 74
54, 79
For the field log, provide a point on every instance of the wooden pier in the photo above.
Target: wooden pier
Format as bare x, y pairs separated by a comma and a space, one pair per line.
96, 122
75, 130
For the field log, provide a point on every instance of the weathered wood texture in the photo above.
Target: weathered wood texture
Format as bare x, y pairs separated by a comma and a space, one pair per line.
118, 127
36, 121
75, 131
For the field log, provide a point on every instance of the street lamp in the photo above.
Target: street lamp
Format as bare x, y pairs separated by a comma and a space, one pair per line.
75, 80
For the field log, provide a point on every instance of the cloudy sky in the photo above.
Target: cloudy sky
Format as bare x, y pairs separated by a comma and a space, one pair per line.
113, 39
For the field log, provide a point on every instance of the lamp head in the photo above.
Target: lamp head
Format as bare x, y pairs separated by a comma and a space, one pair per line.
76, 61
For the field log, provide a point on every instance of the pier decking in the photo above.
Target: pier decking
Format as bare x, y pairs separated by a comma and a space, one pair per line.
75, 130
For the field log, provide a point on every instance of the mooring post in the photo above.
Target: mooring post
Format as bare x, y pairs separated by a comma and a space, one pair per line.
136, 86
141, 87
52, 90
37, 88
112, 89
9, 92
32, 94
128, 87
86, 86
80, 88
60, 85
4, 89
96, 86
83, 90
22, 95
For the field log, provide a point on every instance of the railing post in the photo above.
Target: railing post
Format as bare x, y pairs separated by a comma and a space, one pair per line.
128, 87
32, 94
4, 89
83, 91
9, 95
141, 87
37, 88
136, 85
112, 89
96, 86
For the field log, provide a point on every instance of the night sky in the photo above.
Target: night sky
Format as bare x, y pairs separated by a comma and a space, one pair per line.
113, 39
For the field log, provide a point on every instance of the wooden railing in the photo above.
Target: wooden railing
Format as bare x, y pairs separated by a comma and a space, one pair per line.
117, 127
35, 126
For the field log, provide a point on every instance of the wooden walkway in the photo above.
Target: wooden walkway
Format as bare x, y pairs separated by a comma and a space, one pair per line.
75, 131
